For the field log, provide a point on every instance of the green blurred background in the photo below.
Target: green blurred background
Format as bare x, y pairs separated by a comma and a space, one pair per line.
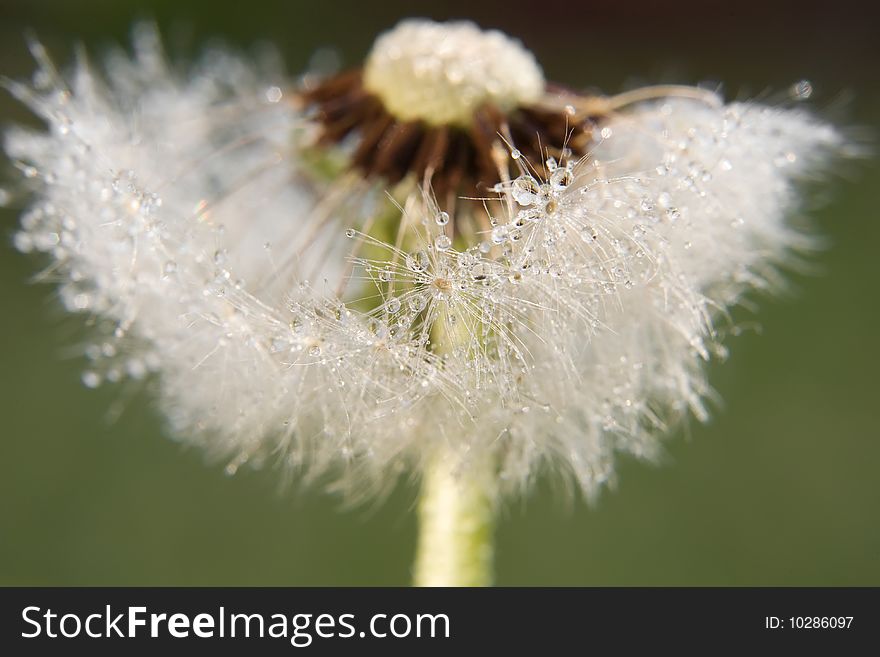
780, 488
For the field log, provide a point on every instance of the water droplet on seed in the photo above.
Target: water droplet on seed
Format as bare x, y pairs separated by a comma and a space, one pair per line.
499, 234
442, 242
561, 178
802, 90
525, 190
273, 94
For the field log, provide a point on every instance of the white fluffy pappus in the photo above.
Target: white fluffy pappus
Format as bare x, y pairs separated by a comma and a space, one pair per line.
278, 322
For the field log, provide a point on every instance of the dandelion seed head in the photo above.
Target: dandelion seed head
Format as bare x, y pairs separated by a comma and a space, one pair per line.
284, 312
441, 73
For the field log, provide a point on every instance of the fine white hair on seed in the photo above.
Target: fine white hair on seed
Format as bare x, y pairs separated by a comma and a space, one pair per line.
441, 72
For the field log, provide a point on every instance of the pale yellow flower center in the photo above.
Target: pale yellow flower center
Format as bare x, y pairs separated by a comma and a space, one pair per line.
440, 73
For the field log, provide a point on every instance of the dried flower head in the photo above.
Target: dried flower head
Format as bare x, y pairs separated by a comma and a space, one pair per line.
437, 253
432, 101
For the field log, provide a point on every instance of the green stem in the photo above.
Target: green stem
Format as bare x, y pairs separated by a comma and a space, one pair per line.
456, 523
456, 508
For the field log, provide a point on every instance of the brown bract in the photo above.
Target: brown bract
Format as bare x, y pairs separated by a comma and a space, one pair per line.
454, 160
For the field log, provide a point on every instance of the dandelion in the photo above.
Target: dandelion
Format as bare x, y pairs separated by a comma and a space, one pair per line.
439, 263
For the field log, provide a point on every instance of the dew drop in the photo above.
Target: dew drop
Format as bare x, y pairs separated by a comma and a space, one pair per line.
350, 232
525, 190
515, 154
481, 272
499, 234
442, 242
588, 234
274, 94
468, 258
534, 214
417, 262
392, 305
416, 302
802, 90
91, 379
561, 178
442, 218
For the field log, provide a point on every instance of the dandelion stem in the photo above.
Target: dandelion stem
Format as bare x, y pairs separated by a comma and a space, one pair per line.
456, 517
